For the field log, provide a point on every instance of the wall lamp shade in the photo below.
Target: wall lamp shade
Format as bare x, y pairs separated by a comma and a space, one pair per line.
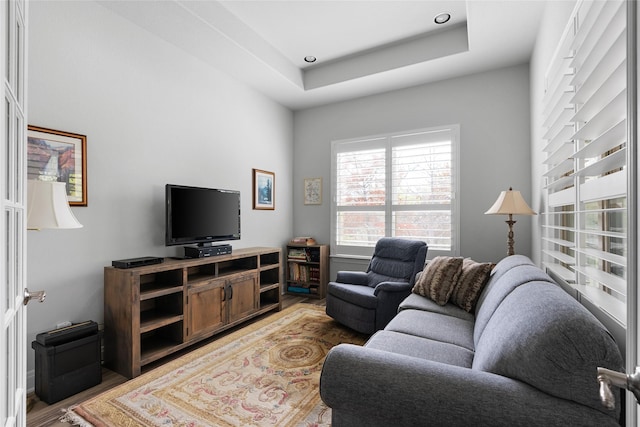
510, 203
48, 206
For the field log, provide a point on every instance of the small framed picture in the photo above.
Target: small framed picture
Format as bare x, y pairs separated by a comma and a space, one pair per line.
313, 191
54, 155
264, 184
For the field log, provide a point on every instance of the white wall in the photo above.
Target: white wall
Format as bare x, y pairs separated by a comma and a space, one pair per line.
492, 109
152, 115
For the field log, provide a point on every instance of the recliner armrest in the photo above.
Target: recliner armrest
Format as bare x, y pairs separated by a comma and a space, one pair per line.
352, 277
392, 287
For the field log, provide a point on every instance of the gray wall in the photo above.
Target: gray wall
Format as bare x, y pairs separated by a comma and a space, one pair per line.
152, 115
492, 109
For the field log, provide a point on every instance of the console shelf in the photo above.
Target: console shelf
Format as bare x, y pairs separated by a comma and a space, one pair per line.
144, 295
153, 311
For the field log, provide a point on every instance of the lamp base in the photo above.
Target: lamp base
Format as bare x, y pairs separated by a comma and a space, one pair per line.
510, 242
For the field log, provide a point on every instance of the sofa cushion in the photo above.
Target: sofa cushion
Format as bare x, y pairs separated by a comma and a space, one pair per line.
497, 290
417, 302
556, 350
438, 278
470, 283
434, 326
501, 268
413, 346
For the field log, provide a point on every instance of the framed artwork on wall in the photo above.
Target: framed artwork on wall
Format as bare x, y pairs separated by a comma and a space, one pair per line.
264, 184
313, 191
54, 155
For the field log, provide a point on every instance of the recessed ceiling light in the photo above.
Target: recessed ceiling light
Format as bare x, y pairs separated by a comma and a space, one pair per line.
310, 59
442, 18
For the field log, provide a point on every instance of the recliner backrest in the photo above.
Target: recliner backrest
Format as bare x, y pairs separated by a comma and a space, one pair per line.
396, 259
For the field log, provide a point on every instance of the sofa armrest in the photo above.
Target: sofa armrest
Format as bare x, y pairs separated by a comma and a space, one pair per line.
352, 277
392, 287
378, 388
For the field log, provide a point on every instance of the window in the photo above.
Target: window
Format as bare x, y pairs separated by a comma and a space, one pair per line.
585, 219
396, 185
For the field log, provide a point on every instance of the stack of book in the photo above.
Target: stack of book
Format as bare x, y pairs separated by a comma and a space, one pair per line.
298, 254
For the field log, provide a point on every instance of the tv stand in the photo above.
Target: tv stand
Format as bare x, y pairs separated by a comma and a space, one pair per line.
156, 310
206, 250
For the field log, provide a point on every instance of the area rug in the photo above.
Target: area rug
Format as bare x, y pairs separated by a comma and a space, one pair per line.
265, 374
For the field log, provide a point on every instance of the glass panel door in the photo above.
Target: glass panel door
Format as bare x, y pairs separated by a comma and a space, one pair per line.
12, 225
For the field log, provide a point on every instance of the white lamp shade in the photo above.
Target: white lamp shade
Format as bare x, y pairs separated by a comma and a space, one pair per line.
48, 206
510, 202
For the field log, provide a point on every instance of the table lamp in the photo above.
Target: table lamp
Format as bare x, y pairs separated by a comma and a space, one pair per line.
48, 206
510, 203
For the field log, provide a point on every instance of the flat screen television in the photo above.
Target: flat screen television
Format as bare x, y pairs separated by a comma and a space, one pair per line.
201, 215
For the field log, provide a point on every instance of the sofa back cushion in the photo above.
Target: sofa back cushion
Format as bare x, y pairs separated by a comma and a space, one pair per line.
500, 287
502, 267
396, 259
542, 336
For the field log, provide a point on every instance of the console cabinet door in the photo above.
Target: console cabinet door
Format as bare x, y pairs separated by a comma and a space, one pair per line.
206, 311
242, 299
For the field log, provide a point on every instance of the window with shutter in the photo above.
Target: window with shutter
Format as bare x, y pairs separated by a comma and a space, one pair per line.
400, 185
585, 231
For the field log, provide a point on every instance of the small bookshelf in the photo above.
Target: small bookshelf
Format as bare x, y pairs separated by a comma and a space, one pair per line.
307, 271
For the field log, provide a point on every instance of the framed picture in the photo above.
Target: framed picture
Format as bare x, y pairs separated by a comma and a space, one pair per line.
264, 184
54, 155
313, 191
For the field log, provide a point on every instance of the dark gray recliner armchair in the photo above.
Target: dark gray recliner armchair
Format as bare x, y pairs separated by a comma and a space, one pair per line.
367, 301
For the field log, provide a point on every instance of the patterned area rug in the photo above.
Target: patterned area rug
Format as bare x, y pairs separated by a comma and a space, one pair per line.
265, 374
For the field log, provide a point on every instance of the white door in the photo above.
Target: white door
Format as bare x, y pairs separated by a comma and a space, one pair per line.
633, 321
13, 347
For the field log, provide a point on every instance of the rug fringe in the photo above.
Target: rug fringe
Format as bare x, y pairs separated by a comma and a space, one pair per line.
73, 418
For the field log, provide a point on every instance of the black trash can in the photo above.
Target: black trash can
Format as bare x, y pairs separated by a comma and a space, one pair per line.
67, 361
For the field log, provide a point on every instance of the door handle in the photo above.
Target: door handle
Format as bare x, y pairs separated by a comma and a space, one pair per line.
607, 378
28, 296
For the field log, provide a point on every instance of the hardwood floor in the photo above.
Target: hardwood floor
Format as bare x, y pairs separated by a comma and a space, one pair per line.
41, 414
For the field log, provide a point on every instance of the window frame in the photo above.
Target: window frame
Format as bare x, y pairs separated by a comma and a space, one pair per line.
385, 140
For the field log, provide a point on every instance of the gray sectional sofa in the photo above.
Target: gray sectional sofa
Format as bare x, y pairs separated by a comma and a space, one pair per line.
526, 356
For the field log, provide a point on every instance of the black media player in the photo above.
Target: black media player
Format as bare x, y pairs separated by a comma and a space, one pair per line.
206, 251
136, 262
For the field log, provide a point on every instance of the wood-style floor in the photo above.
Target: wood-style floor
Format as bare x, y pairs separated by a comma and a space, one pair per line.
41, 414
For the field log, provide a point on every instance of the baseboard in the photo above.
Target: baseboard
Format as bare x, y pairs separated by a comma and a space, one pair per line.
31, 381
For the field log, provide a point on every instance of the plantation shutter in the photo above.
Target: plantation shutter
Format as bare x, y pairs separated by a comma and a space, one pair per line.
585, 236
400, 185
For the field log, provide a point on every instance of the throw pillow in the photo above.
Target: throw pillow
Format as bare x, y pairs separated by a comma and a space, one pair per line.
438, 278
471, 282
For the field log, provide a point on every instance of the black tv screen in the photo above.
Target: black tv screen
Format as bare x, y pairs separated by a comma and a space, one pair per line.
201, 215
